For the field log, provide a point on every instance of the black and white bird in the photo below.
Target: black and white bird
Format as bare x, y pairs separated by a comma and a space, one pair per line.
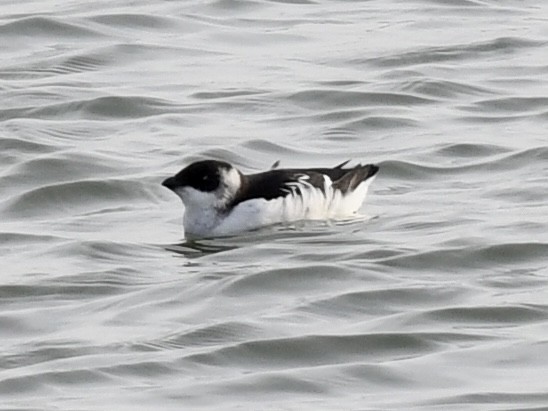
219, 200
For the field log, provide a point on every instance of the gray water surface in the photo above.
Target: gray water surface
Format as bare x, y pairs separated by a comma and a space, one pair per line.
435, 299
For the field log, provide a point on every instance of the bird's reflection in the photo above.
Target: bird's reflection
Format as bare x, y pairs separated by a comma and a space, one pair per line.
298, 231
200, 248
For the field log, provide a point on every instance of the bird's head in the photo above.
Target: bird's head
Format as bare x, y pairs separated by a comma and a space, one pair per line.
208, 183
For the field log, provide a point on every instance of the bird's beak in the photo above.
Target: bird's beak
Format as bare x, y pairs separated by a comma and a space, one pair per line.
169, 183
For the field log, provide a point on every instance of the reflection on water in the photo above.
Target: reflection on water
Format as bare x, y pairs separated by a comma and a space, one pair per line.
199, 248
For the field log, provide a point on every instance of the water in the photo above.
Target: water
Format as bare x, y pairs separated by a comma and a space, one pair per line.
437, 300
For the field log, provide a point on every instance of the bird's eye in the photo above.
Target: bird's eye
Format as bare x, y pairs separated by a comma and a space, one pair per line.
205, 178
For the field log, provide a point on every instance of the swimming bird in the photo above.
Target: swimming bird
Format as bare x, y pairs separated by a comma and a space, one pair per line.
220, 200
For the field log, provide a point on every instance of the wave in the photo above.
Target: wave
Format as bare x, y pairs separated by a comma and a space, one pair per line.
105, 107
38, 28
76, 197
492, 257
324, 99
459, 52
488, 158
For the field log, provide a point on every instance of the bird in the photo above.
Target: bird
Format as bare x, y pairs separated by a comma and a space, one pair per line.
220, 200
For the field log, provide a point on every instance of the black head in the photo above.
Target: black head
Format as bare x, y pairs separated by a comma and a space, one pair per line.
202, 175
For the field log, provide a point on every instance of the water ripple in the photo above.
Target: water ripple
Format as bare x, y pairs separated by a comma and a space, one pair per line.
460, 52
317, 350
320, 99
38, 27
433, 297
106, 107
71, 197
491, 257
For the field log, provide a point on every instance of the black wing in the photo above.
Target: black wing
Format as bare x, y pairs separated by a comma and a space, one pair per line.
276, 183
